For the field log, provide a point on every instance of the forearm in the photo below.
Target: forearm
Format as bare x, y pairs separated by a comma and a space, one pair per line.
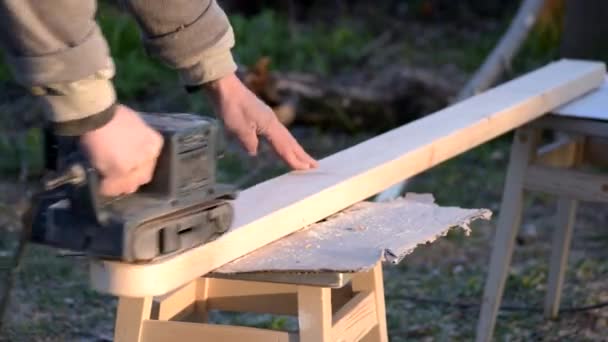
56, 49
192, 36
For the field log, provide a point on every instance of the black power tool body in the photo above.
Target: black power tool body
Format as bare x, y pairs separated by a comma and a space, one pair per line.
182, 207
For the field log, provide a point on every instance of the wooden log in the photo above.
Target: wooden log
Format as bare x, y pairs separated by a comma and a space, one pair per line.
273, 209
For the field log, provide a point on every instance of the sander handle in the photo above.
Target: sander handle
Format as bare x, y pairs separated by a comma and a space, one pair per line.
81, 180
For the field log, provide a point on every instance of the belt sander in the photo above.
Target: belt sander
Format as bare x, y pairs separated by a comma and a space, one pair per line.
182, 207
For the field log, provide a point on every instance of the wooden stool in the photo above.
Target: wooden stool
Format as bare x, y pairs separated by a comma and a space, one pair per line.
329, 307
555, 169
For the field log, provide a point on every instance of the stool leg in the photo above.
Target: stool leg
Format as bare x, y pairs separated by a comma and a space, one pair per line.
177, 304
372, 281
314, 314
566, 213
202, 295
524, 142
130, 315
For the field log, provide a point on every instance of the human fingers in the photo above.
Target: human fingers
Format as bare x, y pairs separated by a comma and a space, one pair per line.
146, 167
288, 148
112, 186
249, 140
126, 183
145, 172
302, 155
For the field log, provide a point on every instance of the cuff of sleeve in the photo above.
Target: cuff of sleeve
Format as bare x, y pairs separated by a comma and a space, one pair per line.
76, 107
78, 127
211, 65
208, 69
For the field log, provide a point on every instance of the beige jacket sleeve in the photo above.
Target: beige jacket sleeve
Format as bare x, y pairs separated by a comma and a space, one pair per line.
56, 49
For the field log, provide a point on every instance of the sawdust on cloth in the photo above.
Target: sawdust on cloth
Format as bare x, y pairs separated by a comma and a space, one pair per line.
356, 238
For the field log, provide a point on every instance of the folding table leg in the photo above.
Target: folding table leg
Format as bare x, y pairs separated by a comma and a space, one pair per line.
522, 149
566, 213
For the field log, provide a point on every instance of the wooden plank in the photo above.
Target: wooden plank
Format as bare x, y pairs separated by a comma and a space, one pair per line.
275, 304
249, 296
273, 209
323, 279
355, 319
239, 288
579, 185
163, 331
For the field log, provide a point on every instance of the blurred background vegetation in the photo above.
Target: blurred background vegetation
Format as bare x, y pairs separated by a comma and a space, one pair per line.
338, 72
338, 41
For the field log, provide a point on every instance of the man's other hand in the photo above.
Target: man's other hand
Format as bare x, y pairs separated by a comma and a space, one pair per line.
247, 117
124, 151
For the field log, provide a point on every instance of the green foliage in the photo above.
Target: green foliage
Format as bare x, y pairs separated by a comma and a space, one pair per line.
5, 73
32, 153
473, 285
541, 46
278, 323
587, 269
231, 167
531, 277
471, 55
315, 48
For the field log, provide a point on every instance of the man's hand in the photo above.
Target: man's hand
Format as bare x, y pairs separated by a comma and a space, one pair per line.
247, 117
124, 151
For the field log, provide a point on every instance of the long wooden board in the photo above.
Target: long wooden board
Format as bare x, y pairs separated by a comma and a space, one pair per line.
278, 207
